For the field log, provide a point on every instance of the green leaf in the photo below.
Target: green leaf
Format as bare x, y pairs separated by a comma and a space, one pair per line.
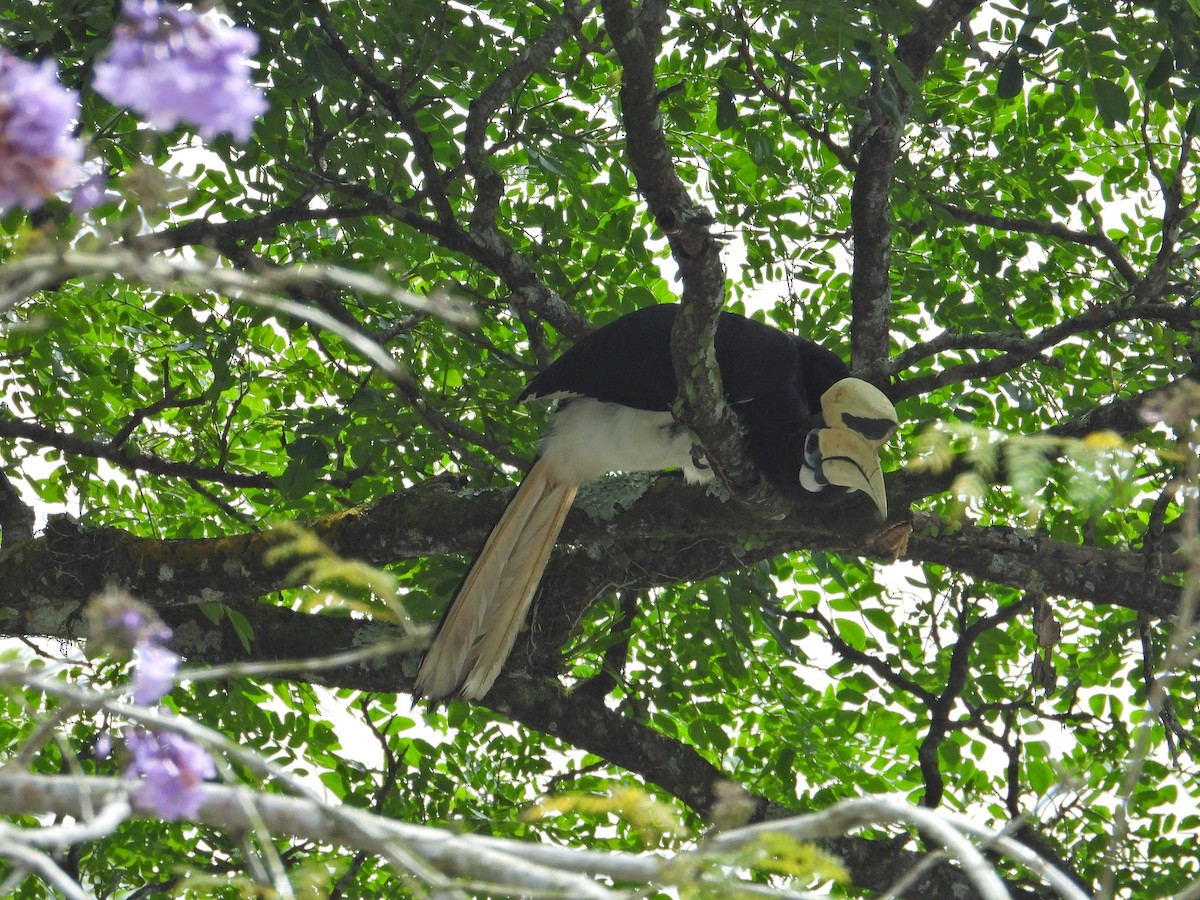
241, 625
727, 110
212, 611
1011, 80
1163, 68
851, 632
1111, 101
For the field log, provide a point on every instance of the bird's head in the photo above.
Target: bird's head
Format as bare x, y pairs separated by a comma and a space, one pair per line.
859, 418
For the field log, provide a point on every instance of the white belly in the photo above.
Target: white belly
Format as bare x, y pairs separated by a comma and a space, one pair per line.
588, 438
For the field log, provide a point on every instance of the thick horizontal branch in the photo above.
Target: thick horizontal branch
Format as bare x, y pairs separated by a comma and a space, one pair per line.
46, 579
1015, 557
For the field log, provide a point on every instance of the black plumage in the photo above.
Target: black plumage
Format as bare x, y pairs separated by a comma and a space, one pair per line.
773, 379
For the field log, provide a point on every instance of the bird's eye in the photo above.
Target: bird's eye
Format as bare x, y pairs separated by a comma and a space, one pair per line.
812, 450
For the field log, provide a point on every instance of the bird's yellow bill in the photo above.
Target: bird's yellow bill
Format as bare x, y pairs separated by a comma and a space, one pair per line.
850, 461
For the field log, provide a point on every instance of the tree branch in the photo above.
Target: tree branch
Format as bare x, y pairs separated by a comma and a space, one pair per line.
700, 403
870, 202
209, 233
1020, 559
1019, 349
484, 229
498, 256
524, 865
819, 134
48, 578
874, 663
129, 460
394, 99
1057, 230
941, 706
546, 706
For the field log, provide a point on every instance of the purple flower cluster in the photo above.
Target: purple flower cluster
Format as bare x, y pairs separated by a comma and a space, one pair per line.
154, 669
117, 622
172, 66
169, 64
173, 770
39, 153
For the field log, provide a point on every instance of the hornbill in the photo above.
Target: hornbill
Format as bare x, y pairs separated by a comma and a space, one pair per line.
812, 431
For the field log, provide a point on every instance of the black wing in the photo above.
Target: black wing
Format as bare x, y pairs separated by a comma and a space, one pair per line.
628, 361
773, 379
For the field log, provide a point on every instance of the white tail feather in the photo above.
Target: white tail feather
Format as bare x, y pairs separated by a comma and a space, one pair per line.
486, 614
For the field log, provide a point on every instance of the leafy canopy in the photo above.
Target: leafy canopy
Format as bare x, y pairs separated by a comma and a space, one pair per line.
988, 208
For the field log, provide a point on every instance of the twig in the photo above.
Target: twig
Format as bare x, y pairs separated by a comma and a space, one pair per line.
129, 459
36, 861
1096, 239
535, 866
21, 277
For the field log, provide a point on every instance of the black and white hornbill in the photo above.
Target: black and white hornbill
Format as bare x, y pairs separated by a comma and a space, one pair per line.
809, 428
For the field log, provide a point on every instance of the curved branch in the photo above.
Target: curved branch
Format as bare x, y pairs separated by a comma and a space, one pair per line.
874, 663
1095, 239
781, 99
394, 100
484, 230
209, 233
1020, 349
489, 185
941, 706
483, 241
533, 866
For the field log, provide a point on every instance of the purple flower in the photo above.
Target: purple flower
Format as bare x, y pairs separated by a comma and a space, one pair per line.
154, 669
171, 65
91, 193
117, 622
173, 769
39, 153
